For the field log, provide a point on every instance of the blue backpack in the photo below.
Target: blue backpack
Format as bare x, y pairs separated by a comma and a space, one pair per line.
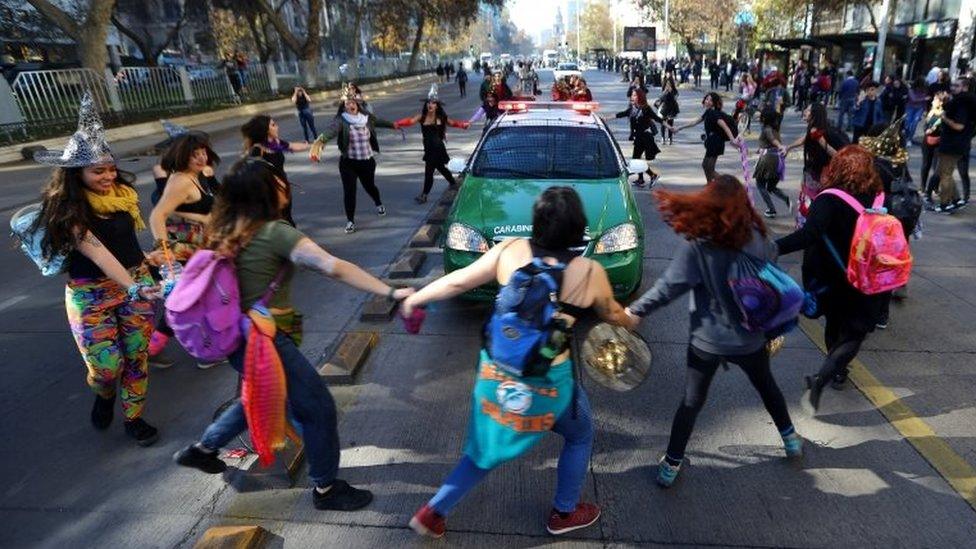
523, 334
768, 298
22, 227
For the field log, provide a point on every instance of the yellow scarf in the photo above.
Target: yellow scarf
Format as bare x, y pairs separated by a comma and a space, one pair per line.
122, 198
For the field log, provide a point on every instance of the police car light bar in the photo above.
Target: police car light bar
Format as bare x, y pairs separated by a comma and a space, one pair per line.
584, 107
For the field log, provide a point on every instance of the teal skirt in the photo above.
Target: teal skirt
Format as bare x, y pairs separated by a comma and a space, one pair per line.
510, 414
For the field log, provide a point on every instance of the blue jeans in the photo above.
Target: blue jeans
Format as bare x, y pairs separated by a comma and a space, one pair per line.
310, 405
307, 120
574, 460
846, 110
913, 115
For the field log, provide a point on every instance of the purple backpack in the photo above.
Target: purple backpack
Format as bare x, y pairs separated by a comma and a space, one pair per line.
204, 308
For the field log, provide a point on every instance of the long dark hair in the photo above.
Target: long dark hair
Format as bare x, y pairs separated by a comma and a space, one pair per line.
65, 211
814, 155
769, 117
558, 219
440, 117
255, 130
247, 199
716, 100
177, 156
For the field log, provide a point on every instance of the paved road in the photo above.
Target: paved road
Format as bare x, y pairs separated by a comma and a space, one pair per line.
403, 425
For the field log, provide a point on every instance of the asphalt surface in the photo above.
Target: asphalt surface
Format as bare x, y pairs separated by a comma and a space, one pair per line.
403, 425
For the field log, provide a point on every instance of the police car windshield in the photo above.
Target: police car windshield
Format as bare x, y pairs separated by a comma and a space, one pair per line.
546, 152
568, 67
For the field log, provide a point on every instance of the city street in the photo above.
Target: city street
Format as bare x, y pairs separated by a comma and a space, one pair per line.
403, 422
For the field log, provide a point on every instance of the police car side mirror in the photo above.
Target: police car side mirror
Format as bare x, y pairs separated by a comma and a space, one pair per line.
636, 166
456, 165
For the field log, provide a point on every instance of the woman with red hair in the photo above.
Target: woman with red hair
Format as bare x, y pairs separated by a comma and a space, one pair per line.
718, 223
643, 128
850, 315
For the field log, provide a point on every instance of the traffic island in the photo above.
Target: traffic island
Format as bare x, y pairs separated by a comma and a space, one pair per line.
448, 197
348, 358
233, 537
249, 476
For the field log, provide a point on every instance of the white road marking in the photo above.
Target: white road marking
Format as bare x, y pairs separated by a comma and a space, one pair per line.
6, 304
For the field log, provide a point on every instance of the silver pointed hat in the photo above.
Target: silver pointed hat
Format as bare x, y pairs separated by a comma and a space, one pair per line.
87, 146
432, 94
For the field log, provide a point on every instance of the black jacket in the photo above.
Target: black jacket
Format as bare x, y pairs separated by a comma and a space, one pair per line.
831, 219
641, 121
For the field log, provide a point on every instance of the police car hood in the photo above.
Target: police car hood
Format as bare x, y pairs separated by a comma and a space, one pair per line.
501, 208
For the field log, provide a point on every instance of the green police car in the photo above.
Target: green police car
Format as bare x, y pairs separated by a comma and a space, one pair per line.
532, 146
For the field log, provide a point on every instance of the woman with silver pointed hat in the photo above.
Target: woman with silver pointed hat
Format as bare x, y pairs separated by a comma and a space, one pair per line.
433, 125
90, 213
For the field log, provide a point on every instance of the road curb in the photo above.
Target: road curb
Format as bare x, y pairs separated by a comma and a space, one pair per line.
407, 265
426, 236
349, 356
233, 537
378, 308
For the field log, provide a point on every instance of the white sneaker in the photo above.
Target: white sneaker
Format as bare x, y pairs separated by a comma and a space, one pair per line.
350, 227
381, 210
209, 365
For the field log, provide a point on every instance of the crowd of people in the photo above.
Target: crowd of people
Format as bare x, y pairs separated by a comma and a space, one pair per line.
90, 216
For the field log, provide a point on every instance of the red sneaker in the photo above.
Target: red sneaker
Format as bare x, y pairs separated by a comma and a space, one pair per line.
584, 515
427, 522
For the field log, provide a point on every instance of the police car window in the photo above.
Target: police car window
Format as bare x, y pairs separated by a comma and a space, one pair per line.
546, 152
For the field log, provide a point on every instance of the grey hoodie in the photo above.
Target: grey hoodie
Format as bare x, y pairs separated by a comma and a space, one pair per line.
715, 319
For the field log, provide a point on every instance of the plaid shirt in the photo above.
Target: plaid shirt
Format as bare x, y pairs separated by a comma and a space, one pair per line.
359, 148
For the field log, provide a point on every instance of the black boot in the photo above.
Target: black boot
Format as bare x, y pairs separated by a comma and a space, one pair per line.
816, 386
102, 412
144, 433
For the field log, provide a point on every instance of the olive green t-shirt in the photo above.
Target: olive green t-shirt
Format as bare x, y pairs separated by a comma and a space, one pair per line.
259, 262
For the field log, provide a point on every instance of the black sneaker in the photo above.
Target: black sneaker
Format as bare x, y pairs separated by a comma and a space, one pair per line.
192, 456
341, 497
144, 433
102, 412
815, 384
838, 382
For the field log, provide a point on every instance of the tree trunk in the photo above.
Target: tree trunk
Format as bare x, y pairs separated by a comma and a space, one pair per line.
415, 50
91, 42
357, 30
311, 53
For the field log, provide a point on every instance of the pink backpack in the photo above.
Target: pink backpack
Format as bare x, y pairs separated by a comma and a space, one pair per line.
204, 308
880, 259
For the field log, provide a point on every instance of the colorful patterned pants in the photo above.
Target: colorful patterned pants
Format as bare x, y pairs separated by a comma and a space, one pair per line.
112, 334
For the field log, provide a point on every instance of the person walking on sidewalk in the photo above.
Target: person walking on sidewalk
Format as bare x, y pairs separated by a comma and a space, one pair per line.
303, 103
718, 130
849, 314
958, 124
846, 101
433, 126
931, 136
90, 215
248, 227
868, 110
180, 216
462, 81
558, 226
355, 135
643, 127
718, 223
262, 140
771, 165
918, 99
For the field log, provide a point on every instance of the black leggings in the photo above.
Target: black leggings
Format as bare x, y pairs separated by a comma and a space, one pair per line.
928, 160
429, 168
365, 171
843, 343
665, 132
701, 368
708, 166
770, 187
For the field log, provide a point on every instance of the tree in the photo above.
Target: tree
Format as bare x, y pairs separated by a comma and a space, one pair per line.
307, 50
88, 28
596, 27
693, 20
134, 11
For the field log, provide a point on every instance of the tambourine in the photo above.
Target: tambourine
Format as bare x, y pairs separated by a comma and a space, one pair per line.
615, 357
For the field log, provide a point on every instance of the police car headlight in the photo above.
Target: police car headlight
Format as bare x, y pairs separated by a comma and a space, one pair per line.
464, 238
618, 239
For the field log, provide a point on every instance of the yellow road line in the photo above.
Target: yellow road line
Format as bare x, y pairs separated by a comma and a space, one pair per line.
953, 468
